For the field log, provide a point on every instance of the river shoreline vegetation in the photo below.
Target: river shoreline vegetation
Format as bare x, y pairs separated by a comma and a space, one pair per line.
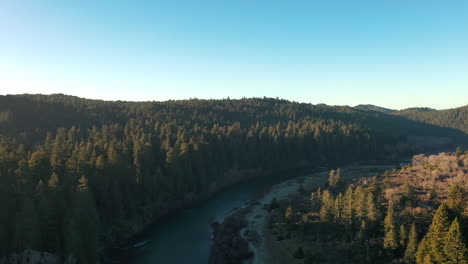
414, 214
79, 175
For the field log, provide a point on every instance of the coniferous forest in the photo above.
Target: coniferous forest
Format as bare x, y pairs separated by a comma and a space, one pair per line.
78, 175
416, 214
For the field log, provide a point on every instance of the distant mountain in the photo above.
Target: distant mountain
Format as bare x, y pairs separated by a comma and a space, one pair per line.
456, 118
369, 107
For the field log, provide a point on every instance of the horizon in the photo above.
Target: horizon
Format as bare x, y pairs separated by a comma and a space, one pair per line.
230, 98
395, 54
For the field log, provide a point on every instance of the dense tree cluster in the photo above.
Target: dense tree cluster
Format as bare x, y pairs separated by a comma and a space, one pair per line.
77, 173
453, 118
369, 226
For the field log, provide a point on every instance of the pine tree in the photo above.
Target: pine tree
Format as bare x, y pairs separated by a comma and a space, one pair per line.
372, 213
360, 202
456, 199
326, 212
423, 251
348, 210
437, 232
338, 177
332, 178
410, 252
83, 227
53, 181
338, 207
455, 249
390, 239
402, 236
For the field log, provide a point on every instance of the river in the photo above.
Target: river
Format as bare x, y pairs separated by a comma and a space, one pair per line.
185, 237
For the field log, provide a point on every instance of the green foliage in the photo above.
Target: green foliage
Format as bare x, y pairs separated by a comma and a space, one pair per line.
348, 207
328, 203
456, 199
453, 118
402, 235
372, 211
423, 251
411, 247
437, 233
53, 182
455, 248
390, 238
110, 161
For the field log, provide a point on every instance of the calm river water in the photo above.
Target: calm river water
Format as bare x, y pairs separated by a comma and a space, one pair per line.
185, 237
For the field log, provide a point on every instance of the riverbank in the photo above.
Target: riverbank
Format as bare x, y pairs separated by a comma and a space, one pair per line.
261, 243
119, 253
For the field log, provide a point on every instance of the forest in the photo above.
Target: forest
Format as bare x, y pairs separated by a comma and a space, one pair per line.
417, 214
78, 175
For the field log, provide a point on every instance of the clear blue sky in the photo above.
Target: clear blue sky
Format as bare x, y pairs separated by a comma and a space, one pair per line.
393, 53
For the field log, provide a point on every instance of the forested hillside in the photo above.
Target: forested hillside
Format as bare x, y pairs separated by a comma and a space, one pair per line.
454, 118
78, 174
417, 214
374, 108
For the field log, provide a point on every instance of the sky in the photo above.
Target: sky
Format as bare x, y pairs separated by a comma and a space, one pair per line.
391, 53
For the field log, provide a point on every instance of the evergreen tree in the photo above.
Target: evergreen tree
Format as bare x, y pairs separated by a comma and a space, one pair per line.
456, 199
371, 208
53, 181
83, 227
402, 236
423, 251
338, 207
326, 212
360, 203
437, 233
348, 210
454, 247
411, 247
339, 177
390, 239
332, 178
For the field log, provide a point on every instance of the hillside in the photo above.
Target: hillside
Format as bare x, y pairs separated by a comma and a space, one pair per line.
407, 215
370, 107
77, 175
456, 118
